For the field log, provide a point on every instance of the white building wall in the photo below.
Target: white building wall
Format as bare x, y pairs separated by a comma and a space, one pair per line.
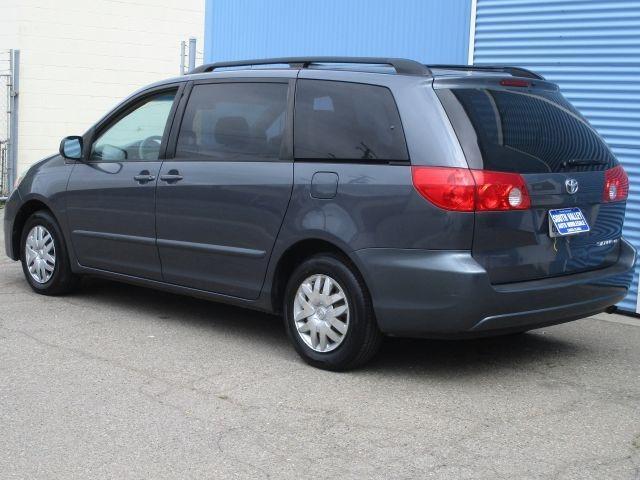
80, 58
8, 23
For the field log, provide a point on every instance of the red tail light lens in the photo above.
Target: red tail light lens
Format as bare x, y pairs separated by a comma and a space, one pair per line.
500, 191
616, 185
448, 188
466, 190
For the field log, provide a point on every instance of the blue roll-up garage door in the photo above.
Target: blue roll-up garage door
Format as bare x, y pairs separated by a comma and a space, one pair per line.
591, 48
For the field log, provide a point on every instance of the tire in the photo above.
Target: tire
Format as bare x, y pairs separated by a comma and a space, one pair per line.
356, 340
57, 278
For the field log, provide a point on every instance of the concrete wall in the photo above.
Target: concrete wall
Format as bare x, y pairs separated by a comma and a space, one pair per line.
79, 58
8, 23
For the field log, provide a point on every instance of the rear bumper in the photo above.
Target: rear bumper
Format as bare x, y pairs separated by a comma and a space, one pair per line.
430, 293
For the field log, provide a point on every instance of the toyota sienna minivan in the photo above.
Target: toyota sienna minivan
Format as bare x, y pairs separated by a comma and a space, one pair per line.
357, 197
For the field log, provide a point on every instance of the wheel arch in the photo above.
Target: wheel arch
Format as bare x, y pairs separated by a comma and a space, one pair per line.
295, 254
27, 209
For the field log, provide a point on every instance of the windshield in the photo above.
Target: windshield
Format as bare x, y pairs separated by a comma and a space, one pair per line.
528, 132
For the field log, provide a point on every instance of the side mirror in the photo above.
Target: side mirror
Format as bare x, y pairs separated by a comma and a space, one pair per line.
71, 147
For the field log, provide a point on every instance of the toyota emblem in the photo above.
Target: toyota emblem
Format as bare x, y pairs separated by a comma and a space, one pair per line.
571, 184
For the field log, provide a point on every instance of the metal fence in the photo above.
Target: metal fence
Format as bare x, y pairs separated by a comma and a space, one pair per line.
9, 61
4, 164
189, 56
5, 96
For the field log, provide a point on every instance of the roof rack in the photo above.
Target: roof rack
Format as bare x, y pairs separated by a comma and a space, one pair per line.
514, 71
401, 65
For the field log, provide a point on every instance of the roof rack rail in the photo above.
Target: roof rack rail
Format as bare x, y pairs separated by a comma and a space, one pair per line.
401, 65
514, 71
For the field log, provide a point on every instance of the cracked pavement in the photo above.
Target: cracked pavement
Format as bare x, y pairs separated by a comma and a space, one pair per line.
117, 381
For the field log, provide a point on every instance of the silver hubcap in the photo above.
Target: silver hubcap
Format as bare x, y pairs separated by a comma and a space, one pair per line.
321, 313
40, 254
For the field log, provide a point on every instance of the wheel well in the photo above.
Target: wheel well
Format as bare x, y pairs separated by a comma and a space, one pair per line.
24, 213
295, 255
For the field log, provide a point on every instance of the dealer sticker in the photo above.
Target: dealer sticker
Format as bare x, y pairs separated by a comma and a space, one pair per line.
567, 221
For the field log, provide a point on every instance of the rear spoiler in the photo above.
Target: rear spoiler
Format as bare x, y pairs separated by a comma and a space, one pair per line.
514, 71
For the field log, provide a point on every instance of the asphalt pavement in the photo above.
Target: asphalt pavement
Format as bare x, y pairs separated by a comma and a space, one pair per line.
123, 382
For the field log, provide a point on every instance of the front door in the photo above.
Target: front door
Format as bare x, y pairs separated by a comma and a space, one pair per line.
222, 198
111, 195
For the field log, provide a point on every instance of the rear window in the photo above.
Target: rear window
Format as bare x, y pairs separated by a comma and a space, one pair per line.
524, 132
347, 121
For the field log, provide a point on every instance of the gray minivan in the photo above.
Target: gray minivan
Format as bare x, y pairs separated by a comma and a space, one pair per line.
358, 197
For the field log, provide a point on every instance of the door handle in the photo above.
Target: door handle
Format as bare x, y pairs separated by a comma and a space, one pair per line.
172, 176
144, 177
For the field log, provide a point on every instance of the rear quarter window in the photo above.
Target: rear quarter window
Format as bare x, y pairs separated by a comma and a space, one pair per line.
348, 122
523, 132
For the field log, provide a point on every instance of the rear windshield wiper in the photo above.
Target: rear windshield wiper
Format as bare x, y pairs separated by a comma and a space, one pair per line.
582, 162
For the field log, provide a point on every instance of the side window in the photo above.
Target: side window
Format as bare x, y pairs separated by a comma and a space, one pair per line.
137, 135
347, 121
233, 121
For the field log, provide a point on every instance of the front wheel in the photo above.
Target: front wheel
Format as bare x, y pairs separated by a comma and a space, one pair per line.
329, 316
44, 257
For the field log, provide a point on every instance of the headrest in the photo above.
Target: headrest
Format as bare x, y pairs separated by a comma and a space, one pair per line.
232, 131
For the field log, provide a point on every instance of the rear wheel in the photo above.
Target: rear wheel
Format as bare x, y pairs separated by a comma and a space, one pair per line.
328, 314
44, 257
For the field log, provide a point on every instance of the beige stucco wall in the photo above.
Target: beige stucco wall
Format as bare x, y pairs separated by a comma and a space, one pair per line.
79, 58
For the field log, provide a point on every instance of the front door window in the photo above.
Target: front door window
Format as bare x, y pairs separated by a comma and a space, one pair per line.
137, 135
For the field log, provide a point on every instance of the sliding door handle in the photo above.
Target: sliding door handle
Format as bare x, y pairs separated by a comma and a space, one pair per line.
172, 177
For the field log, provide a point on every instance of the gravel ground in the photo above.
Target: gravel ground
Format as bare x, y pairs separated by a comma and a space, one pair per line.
122, 382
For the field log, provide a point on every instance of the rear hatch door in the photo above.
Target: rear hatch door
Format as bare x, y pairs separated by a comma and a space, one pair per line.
532, 130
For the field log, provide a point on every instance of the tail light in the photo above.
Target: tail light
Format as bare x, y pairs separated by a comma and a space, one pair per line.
465, 190
616, 185
500, 191
448, 188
